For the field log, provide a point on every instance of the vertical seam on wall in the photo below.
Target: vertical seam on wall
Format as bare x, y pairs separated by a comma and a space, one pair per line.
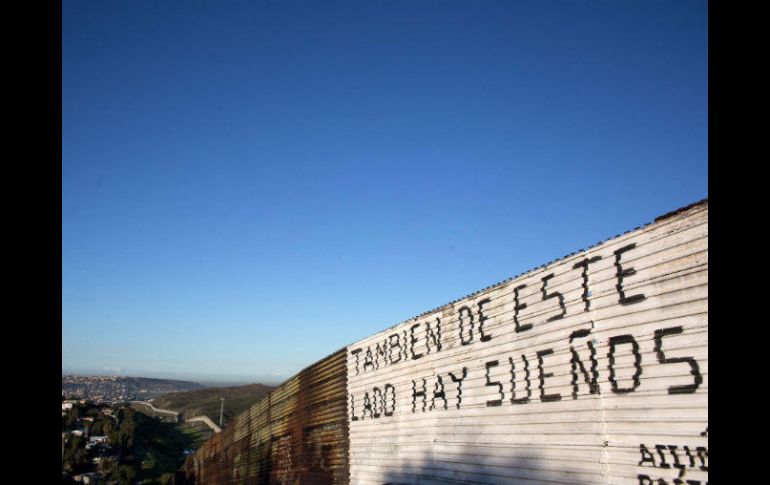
348, 414
434, 430
604, 458
605, 455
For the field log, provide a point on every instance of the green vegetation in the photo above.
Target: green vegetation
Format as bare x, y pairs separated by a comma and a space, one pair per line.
206, 401
139, 449
74, 454
150, 450
197, 432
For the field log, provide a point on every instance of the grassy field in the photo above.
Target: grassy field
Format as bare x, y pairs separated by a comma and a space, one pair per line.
197, 432
207, 401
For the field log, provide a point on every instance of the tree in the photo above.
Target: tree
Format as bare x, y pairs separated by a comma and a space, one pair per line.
107, 465
125, 475
127, 432
75, 456
72, 416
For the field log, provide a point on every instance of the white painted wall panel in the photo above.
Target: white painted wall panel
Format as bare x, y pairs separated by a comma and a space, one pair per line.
505, 399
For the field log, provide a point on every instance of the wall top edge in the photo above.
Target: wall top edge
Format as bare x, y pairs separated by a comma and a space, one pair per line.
703, 203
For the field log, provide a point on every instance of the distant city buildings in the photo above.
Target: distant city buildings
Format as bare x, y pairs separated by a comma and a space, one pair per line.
106, 389
116, 389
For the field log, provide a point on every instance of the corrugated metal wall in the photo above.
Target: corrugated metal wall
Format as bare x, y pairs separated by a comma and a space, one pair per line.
589, 369
296, 435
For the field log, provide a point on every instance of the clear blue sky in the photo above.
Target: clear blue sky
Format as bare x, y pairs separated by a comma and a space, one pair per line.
249, 186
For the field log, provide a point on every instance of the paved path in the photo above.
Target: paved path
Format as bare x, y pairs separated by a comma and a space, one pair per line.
176, 415
157, 410
208, 421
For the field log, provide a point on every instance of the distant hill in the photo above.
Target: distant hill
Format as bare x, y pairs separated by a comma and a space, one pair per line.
160, 385
119, 388
206, 401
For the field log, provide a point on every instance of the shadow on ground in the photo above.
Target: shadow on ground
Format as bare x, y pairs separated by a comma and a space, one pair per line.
472, 468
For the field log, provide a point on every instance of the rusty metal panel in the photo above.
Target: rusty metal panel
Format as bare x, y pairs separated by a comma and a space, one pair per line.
241, 425
296, 435
209, 457
589, 369
323, 427
240, 460
259, 442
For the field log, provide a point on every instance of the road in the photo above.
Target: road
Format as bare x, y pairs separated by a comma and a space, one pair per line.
176, 415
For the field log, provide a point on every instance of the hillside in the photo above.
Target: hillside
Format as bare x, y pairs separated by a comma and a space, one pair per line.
160, 385
206, 401
118, 388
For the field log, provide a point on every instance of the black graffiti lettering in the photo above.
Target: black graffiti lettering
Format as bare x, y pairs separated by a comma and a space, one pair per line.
555, 294
470, 318
438, 392
672, 449
416, 394
584, 264
583, 332
591, 380
614, 342
413, 341
660, 461
389, 387
703, 455
483, 318
353, 416
374, 404
368, 359
459, 382
647, 457
660, 449
543, 396
622, 273
367, 406
397, 347
381, 351
689, 455
433, 336
356, 352
525, 399
377, 398
393, 346
646, 480
516, 308
406, 348
494, 402
694, 368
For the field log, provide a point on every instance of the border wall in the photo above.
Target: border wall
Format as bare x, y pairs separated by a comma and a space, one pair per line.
589, 369
296, 434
